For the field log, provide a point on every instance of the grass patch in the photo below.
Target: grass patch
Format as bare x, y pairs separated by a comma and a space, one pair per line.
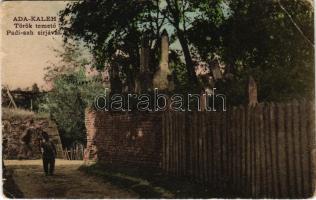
18, 113
148, 183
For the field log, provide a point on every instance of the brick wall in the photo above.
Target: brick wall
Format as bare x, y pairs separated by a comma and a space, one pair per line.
124, 138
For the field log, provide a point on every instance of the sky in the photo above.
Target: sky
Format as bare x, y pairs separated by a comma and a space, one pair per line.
23, 58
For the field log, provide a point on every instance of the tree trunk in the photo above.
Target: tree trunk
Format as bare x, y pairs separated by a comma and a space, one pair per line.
188, 59
175, 12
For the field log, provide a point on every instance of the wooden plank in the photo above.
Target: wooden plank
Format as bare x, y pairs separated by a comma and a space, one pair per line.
230, 149
181, 141
239, 151
243, 150
233, 150
195, 146
236, 150
210, 150
200, 147
273, 146
214, 151
197, 136
174, 139
11, 98
268, 153
163, 138
296, 147
173, 147
203, 156
290, 151
198, 128
179, 129
198, 133
206, 156
218, 151
224, 174
192, 145
181, 136
185, 145
188, 143
181, 133
263, 175
174, 143
253, 153
257, 138
207, 162
169, 143
304, 148
178, 142
281, 153
238, 159
175, 134
166, 142
203, 122
228, 118
248, 153
220, 147
67, 155
311, 147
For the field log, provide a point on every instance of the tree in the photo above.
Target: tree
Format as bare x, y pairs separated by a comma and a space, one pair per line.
262, 39
270, 40
35, 88
72, 91
116, 27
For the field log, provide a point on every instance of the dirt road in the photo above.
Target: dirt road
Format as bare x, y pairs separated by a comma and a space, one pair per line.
68, 181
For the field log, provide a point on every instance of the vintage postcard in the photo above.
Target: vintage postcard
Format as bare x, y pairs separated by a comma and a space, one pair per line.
158, 99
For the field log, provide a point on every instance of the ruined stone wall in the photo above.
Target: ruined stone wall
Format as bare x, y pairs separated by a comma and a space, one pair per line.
124, 138
15, 123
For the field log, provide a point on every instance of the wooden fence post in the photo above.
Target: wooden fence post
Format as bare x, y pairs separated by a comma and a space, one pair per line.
306, 150
296, 139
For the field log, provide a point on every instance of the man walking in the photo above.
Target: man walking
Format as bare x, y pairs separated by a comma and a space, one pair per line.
48, 153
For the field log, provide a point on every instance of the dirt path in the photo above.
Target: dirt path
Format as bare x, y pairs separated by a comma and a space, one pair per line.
68, 181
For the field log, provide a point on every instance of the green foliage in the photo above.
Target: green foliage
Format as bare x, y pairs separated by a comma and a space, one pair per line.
113, 30
259, 38
72, 92
270, 40
66, 103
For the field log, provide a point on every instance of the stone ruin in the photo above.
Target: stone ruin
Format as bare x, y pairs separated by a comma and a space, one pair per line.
14, 125
252, 92
162, 78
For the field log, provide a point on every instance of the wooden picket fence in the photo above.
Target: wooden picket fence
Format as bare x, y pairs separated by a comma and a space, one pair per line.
74, 153
264, 151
